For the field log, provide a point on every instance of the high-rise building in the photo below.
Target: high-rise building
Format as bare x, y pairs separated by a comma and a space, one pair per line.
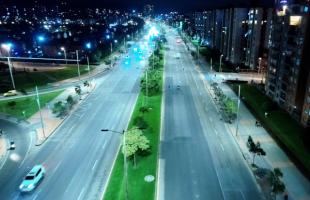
255, 52
287, 81
219, 21
232, 34
199, 25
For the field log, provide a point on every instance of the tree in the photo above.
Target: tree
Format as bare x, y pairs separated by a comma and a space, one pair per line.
134, 143
59, 109
277, 184
78, 91
70, 101
255, 149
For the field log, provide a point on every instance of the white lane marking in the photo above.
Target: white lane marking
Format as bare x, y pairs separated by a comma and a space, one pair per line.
81, 193
94, 164
81, 115
211, 120
71, 129
222, 147
216, 132
57, 166
31, 138
103, 146
36, 196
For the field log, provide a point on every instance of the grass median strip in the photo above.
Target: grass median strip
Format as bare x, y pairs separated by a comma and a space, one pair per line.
146, 113
25, 107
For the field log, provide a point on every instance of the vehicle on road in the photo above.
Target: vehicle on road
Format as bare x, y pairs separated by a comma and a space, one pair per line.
12, 145
32, 179
10, 93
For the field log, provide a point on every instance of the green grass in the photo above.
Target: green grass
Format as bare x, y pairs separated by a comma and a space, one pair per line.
279, 122
28, 80
146, 165
27, 104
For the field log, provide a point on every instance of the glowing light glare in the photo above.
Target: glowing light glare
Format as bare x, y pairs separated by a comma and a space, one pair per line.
15, 157
7, 46
62, 48
41, 38
153, 32
88, 45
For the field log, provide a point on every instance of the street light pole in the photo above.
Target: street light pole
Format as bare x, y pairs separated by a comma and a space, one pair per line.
198, 51
221, 57
78, 64
39, 106
11, 73
111, 59
125, 159
64, 50
88, 66
125, 164
259, 65
146, 86
237, 126
211, 64
7, 47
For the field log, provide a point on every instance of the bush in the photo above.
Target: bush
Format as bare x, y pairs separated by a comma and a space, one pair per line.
12, 104
70, 101
144, 109
59, 109
140, 122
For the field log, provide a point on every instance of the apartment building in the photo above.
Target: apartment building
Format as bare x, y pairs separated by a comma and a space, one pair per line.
287, 81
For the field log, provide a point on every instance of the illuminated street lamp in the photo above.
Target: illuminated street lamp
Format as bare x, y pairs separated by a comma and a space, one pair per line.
221, 57
64, 50
125, 159
41, 38
7, 47
88, 45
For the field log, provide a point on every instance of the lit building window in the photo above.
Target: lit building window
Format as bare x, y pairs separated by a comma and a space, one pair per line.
295, 20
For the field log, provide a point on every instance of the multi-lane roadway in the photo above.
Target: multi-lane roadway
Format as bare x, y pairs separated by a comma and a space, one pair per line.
199, 158
78, 157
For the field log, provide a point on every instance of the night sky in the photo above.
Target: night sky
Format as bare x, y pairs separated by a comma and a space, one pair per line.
160, 5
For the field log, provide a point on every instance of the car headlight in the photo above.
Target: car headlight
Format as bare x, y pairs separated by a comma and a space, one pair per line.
30, 186
21, 186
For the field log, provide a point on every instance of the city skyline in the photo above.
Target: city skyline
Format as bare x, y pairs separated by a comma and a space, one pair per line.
166, 6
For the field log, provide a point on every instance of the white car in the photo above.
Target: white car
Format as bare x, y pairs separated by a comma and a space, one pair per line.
32, 179
10, 93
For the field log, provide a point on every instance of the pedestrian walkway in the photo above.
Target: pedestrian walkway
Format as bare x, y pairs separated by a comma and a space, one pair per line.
297, 185
50, 120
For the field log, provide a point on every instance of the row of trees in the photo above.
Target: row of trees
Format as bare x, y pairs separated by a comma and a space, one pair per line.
136, 142
274, 176
61, 108
227, 105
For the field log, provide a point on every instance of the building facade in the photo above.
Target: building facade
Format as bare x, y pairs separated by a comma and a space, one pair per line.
288, 65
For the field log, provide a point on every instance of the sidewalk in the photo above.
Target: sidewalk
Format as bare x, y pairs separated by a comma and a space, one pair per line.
297, 186
50, 120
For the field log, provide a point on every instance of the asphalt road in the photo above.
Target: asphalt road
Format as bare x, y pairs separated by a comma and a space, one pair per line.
199, 158
78, 157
